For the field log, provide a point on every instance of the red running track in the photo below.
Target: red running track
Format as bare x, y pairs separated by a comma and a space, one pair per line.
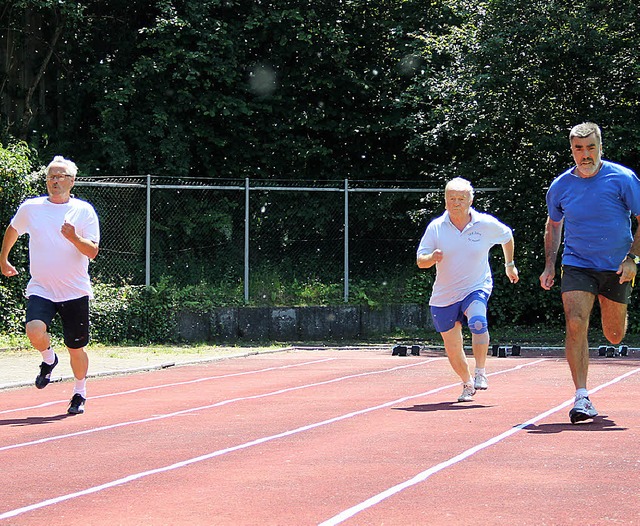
355, 437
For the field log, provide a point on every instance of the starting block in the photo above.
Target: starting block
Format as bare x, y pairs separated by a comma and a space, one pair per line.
503, 351
401, 350
611, 352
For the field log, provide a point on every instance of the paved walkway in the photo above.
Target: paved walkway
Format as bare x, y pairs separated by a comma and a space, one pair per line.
19, 368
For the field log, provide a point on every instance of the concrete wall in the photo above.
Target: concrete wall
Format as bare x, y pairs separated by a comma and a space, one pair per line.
298, 324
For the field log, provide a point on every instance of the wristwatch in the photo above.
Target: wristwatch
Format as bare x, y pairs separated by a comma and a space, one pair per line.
634, 258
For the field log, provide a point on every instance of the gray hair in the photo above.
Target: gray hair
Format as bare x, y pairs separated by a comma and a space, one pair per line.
69, 165
584, 130
459, 184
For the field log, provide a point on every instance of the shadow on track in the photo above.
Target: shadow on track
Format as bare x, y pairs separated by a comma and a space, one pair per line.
33, 420
600, 423
442, 406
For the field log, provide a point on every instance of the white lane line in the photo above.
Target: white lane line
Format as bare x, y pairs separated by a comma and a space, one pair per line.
175, 384
177, 465
209, 406
421, 477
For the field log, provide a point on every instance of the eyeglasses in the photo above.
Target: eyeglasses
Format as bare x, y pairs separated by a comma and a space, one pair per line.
58, 177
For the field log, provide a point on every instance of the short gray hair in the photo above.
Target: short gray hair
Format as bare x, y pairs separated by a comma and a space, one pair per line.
70, 166
459, 184
584, 130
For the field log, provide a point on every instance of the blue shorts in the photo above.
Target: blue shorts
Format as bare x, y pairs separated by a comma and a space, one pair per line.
445, 318
73, 313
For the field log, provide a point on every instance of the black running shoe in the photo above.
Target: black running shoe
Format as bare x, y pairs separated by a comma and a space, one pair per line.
43, 379
76, 406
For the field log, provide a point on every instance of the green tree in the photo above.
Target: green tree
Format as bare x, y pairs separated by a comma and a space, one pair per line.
34, 72
17, 183
276, 89
503, 87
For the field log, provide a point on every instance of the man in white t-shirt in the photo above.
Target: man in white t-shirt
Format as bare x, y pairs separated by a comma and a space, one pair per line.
64, 234
458, 244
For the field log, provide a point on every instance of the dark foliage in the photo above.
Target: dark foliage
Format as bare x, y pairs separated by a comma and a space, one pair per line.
291, 90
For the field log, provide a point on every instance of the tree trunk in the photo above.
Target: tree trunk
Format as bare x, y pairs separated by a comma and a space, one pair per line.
29, 112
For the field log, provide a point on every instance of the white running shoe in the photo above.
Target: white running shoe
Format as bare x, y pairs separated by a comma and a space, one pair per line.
480, 382
582, 410
467, 393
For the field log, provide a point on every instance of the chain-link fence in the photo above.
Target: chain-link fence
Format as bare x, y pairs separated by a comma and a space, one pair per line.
261, 238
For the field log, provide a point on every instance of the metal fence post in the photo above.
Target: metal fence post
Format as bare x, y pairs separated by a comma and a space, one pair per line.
147, 275
246, 240
346, 240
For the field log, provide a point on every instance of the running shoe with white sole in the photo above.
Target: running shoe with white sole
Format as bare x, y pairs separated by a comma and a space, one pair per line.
76, 405
467, 393
582, 410
480, 382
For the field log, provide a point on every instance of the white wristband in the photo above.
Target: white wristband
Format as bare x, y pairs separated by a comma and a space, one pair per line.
510, 264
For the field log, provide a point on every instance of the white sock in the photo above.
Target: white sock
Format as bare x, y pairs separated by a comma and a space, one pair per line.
482, 371
81, 387
48, 356
581, 393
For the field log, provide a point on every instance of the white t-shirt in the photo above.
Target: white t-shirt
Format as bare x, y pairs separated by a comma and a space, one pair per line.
59, 271
465, 264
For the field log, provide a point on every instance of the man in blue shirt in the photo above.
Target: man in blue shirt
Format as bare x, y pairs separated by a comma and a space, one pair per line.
594, 201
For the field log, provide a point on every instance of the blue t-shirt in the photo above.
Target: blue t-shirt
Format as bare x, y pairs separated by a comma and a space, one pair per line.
597, 215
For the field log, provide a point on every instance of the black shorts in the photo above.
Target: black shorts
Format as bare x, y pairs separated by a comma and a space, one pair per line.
599, 282
73, 313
